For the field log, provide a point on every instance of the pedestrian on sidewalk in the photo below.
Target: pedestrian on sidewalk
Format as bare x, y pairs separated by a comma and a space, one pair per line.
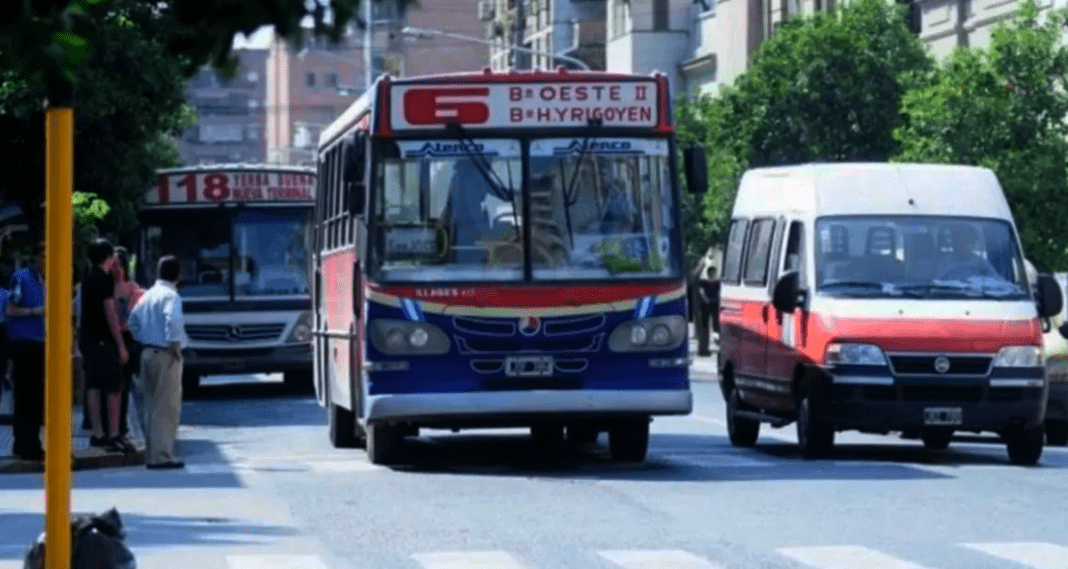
704, 288
158, 324
103, 349
26, 329
6, 270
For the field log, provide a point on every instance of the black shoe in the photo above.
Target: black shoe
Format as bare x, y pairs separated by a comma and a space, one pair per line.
119, 444
34, 455
172, 465
98, 442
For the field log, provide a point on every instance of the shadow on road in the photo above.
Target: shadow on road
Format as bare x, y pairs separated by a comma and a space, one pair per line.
21, 528
253, 407
672, 458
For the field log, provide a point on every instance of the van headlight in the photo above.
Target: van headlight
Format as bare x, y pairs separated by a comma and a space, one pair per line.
402, 337
854, 354
1019, 356
658, 333
301, 333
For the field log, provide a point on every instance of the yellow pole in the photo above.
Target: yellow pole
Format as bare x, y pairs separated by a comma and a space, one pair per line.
59, 333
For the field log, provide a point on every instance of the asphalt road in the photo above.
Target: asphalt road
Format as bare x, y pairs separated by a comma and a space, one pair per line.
265, 490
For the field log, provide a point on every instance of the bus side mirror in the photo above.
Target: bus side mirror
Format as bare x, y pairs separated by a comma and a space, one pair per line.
695, 167
1050, 299
786, 296
354, 158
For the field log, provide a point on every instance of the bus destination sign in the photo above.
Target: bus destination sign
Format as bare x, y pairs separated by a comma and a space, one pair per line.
525, 105
233, 186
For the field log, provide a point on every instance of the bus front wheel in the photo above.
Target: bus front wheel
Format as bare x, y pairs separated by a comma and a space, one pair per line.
385, 443
628, 440
299, 381
342, 426
190, 384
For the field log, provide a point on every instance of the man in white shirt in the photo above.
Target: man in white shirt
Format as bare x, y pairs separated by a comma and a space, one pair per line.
157, 324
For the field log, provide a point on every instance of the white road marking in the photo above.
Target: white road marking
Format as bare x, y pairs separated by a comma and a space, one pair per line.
1036, 554
656, 559
845, 557
467, 560
274, 561
210, 468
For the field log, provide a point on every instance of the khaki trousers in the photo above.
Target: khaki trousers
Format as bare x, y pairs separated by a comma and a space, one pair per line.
161, 373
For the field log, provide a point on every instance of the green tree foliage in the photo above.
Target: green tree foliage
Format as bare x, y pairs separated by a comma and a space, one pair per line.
130, 104
89, 210
826, 86
1005, 108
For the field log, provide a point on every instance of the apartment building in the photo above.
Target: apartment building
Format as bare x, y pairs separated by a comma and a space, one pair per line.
440, 54
574, 28
231, 113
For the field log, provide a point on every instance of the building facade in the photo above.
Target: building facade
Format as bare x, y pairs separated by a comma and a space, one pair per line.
232, 117
424, 56
574, 28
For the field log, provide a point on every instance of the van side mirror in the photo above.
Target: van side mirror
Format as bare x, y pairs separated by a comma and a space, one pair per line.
354, 160
786, 296
1050, 299
695, 167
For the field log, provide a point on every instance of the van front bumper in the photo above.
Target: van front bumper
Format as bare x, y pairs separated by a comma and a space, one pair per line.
889, 403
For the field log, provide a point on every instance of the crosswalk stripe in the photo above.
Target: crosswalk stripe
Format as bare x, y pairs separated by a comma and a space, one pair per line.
845, 557
467, 560
1037, 555
656, 559
275, 561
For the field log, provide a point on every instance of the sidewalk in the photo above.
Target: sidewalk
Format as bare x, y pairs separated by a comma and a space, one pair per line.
84, 456
703, 368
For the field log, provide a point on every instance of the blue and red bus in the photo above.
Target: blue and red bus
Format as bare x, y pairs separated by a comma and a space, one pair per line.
502, 250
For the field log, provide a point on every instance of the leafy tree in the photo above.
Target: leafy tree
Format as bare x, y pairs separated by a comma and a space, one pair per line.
1005, 108
825, 87
89, 210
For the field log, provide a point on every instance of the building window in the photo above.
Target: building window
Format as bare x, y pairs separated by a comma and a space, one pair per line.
619, 18
660, 15
212, 133
311, 80
332, 80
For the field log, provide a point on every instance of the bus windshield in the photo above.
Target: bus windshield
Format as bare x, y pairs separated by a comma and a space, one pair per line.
601, 209
260, 252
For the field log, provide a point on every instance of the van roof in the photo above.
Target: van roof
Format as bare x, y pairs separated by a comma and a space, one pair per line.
858, 188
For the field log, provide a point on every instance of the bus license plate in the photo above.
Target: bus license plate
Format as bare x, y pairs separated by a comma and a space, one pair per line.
529, 366
943, 416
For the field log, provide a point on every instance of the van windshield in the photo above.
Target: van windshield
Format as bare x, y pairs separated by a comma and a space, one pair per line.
918, 257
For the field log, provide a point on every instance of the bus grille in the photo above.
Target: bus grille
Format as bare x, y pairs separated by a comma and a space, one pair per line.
234, 332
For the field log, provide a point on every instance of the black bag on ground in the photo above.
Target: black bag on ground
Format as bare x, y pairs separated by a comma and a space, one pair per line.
97, 542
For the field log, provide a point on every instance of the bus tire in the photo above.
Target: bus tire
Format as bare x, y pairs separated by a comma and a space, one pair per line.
385, 443
342, 425
581, 434
299, 381
547, 434
937, 439
628, 441
190, 384
1056, 432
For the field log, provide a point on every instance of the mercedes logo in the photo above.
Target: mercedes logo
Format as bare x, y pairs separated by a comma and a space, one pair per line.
234, 333
941, 364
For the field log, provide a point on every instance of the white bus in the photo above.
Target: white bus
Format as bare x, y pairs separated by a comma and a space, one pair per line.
242, 234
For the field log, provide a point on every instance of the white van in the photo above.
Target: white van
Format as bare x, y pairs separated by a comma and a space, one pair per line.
878, 298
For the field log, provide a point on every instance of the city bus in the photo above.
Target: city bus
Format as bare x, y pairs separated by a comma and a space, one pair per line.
242, 233
502, 250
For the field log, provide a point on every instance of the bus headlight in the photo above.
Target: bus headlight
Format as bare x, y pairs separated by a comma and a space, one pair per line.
403, 337
418, 338
655, 334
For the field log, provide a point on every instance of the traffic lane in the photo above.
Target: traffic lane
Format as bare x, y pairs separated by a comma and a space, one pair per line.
498, 490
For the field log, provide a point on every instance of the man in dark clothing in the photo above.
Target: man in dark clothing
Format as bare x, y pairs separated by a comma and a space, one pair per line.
102, 347
26, 330
705, 290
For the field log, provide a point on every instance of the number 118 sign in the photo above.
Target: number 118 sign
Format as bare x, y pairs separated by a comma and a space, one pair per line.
221, 186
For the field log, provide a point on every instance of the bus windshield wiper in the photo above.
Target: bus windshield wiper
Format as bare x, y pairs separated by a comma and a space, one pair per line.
569, 191
500, 189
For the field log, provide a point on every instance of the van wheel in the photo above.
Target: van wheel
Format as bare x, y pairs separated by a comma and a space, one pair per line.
1025, 445
815, 437
937, 439
385, 443
1056, 433
547, 434
743, 432
341, 425
628, 440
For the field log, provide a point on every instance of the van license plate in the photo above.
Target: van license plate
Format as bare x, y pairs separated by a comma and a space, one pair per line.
529, 366
943, 416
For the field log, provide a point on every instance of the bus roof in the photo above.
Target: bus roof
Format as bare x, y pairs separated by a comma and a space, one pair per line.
514, 99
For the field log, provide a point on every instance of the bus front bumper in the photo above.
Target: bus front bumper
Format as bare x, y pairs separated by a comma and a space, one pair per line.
278, 359
519, 408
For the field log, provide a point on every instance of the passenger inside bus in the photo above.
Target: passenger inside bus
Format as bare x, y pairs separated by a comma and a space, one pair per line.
465, 217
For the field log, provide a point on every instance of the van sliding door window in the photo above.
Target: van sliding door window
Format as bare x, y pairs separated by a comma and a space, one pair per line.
756, 257
732, 258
